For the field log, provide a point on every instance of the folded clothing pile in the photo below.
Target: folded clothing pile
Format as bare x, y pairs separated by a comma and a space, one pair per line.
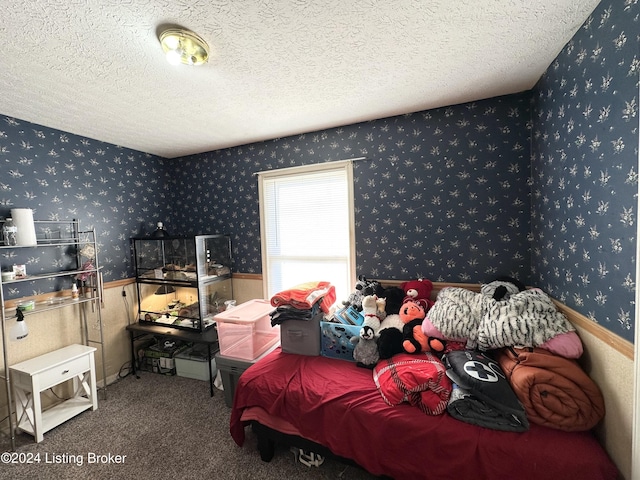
288, 312
306, 295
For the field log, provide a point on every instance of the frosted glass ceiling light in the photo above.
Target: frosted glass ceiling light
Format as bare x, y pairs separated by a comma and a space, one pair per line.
183, 46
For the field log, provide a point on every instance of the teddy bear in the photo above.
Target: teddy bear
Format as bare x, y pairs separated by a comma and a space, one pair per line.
414, 340
418, 291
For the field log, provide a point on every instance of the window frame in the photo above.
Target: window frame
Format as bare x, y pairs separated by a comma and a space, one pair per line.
345, 166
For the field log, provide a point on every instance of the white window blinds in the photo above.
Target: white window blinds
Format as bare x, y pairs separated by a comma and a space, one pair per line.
306, 216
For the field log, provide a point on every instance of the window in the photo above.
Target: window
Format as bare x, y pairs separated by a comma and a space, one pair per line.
306, 224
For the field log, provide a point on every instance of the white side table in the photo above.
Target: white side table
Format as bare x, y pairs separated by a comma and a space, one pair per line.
31, 377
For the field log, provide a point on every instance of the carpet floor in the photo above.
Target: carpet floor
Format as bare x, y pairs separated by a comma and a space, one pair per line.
155, 426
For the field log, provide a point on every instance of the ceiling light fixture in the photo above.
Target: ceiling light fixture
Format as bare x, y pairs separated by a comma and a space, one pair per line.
183, 46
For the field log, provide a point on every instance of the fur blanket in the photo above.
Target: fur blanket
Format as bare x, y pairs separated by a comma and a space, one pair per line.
524, 319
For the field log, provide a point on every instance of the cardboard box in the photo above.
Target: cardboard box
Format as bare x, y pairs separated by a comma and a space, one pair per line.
245, 331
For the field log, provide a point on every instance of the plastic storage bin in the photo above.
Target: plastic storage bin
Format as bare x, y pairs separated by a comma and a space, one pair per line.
230, 370
336, 340
245, 331
301, 336
192, 363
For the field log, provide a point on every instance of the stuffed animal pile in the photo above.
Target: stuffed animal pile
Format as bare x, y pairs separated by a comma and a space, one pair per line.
362, 288
503, 314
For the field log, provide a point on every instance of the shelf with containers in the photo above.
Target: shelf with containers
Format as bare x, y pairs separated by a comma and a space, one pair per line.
40, 276
182, 282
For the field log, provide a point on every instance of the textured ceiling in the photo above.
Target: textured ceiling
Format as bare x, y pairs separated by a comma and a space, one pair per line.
277, 68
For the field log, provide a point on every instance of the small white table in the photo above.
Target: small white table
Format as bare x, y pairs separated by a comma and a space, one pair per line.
31, 377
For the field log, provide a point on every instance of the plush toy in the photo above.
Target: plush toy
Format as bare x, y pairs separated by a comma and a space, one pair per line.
412, 315
418, 291
393, 297
371, 323
381, 304
414, 339
365, 352
502, 288
501, 315
362, 288
390, 335
371, 286
390, 341
355, 298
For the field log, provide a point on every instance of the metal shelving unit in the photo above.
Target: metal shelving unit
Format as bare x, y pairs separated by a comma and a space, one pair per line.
65, 235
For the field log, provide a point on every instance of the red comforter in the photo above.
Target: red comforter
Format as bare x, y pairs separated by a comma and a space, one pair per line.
336, 404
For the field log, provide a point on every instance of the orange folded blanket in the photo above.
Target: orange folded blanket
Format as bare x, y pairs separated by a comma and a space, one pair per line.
555, 391
305, 295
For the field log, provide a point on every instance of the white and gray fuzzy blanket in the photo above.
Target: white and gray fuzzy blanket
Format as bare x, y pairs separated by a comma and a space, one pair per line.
524, 319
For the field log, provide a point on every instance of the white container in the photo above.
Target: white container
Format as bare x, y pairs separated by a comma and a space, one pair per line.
194, 367
245, 331
8, 276
23, 220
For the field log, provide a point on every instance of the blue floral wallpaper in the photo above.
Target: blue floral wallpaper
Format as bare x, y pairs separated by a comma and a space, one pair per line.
441, 194
60, 176
540, 185
585, 169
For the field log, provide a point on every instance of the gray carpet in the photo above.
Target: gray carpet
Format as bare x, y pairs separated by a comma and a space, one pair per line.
167, 427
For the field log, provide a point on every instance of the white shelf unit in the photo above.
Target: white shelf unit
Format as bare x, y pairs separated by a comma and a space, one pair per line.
66, 235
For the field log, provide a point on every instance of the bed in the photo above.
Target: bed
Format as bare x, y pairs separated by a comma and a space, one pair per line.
334, 405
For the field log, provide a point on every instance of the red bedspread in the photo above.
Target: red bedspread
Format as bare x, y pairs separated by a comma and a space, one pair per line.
336, 404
